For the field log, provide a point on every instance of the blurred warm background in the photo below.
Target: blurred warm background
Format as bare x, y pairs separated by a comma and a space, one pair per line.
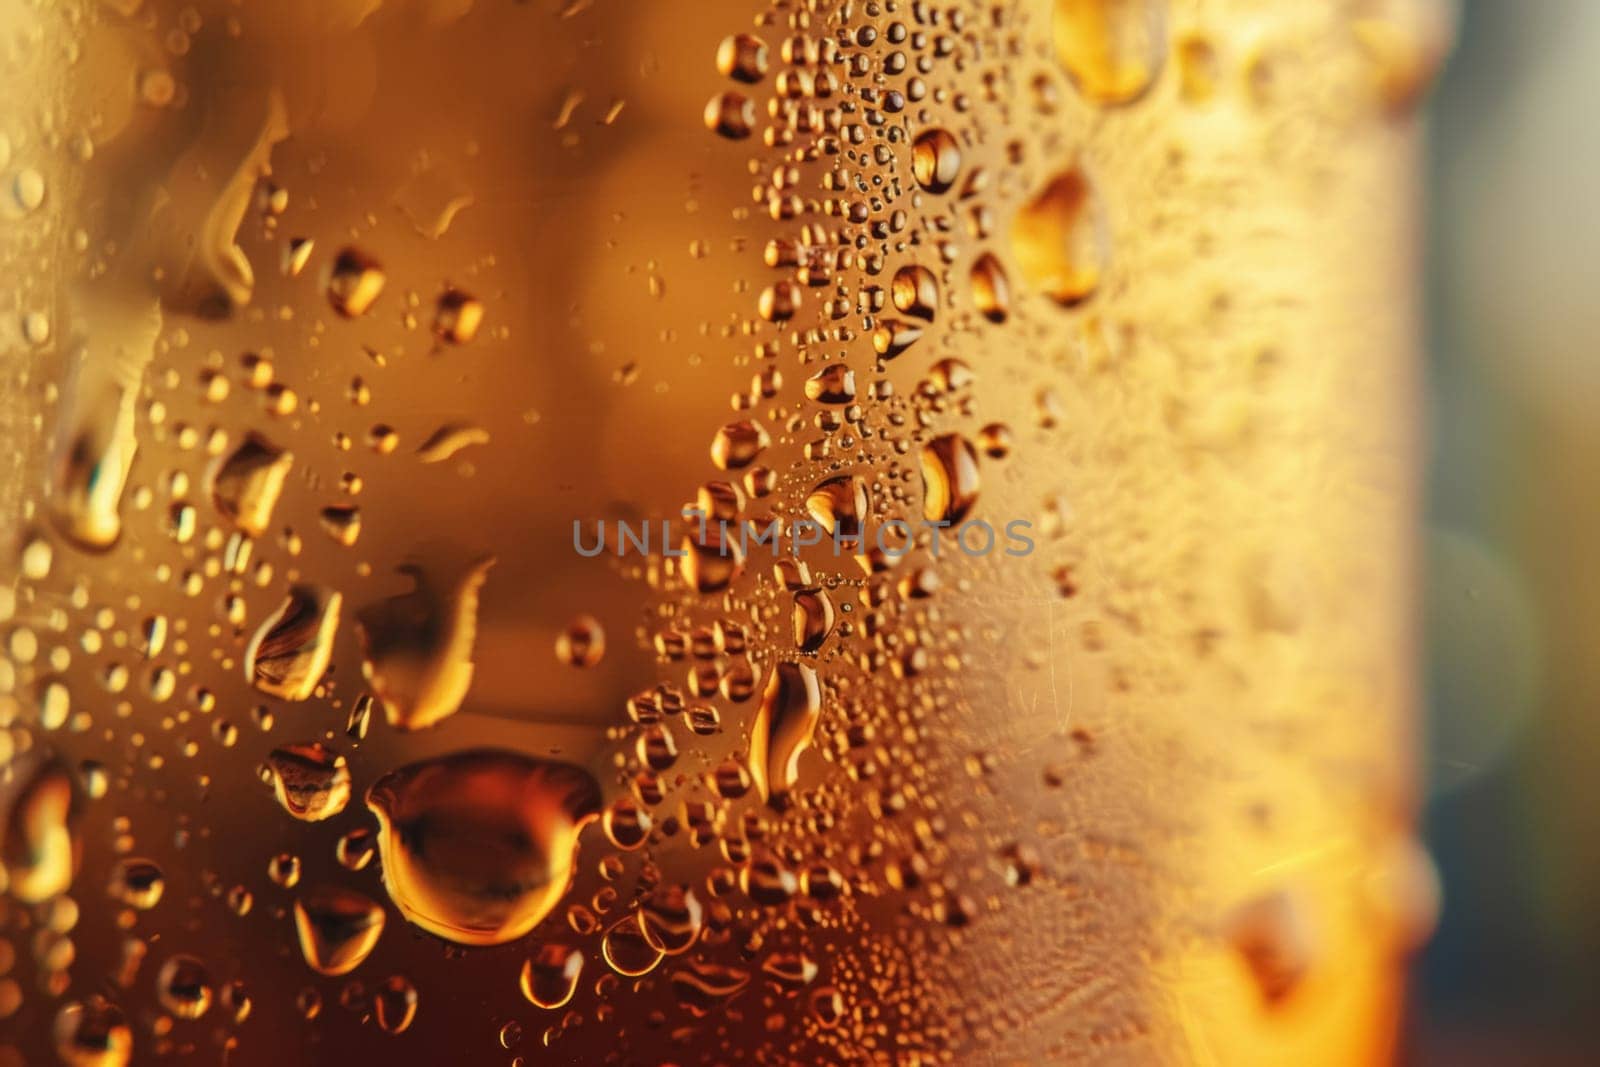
1513, 974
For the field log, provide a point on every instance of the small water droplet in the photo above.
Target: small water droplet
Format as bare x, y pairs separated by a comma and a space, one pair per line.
550, 976
338, 928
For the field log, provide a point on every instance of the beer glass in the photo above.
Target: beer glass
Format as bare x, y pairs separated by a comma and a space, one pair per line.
708, 531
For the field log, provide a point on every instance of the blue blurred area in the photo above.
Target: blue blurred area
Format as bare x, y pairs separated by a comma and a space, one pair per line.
1513, 541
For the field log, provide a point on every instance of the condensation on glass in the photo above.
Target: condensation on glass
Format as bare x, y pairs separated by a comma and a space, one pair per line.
323, 322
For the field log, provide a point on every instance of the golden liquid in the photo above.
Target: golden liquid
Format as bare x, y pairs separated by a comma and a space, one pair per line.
325, 320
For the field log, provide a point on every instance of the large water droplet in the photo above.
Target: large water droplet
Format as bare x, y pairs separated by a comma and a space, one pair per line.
1271, 935
949, 478
1111, 49
478, 846
731, 114
935, 160
991, 289
1058, 241
791, 705
417, 647
245, 486
833, 384
813, 618
839, 503
290, 651
92, 465
915, 291
738, 444
38, 846
92, 1033
742, 57
311, 782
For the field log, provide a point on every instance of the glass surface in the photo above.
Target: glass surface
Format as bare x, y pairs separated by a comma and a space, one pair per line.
335, 331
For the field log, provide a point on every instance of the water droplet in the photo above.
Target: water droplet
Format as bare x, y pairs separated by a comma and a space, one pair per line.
37, 556
1271, 935
1406, 52
915, 291
296, 254
91, 470
839, 503
790, 968
245, 486
417, 647
780, 301
457, 317
791, 705
27, 189
833, 384
996, 440
700, 986
236, 1001
949, 478
38, 847
354, 282
738, 444
742, 57
284, 870
92, 1033
55, 704
1058, 240
290, 650
1402, 890
311, 782
138, 883
338, 928
626, 824
360, 717
894, 336
827, 1006
935, 159
394, 1005
582, 643
157, 87
478, 846
767, 881
731, 114
1197, 68
449, 439
184, 987
342, 522
627, 950
1111, 49
550, 976
671, 919
355, 850
991, 289
813, 618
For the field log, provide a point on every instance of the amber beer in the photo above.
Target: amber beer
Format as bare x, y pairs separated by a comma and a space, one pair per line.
326, 320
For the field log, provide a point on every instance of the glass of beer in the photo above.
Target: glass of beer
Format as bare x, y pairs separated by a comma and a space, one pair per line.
708, 531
